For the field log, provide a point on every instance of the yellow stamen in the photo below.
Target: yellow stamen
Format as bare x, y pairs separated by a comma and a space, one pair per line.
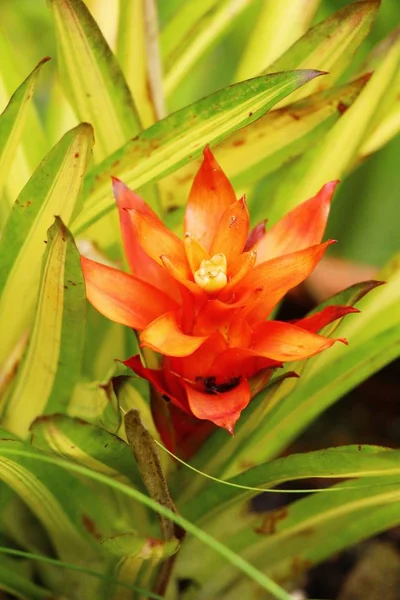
211, 275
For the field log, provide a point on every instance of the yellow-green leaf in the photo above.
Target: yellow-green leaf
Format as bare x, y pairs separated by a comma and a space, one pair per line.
330, 45
278, 26
91, 74
132, 56
53, 190
334, 155
52, 364
183, 135
33, 144
266, 145
199, 38
12, 123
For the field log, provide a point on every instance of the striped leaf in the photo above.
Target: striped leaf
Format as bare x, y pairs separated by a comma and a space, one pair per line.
330, 45
52, 364
268, 144
287, 542
334, 155
339, 463
278, 26
92, 77
53, 190
199, 38
12, 123
86, 444
178, 138
33, 144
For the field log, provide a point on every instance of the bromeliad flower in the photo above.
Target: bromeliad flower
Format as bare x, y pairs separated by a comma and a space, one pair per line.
203, 301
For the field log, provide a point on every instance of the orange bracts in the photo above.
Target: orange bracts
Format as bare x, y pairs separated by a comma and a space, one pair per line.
203, 301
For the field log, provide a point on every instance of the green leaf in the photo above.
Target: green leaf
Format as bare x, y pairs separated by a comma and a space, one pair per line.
12, 123
278, 26
86, 444
342, 462
301, 534
133, 545
17, 585
334, 155
386, 122
52, 364
269, 143
264, 582
205, 32
178, 138
179, 26
330, 45
90, 72
132, 56
53, 190
69, 510
33, 144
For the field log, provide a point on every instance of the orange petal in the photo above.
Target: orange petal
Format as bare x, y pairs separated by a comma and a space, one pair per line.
267, 283
210, 196
157, 241
165, 336
285, 342
302, 227
238, 270
232, 231
139, 262
240, 362
239, 333
223, 408
212, 316
199, 363
326, 316
123, 298
195, 252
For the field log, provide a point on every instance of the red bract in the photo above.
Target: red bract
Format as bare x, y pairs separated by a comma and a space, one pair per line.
203, 301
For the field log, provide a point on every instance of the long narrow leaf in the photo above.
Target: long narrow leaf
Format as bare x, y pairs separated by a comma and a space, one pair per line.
341, 462
269, 143
96, 86
330, 45
182, 136
53, 190
201, 37
12, 122
52, 364
265, 582
278, 26
334, 155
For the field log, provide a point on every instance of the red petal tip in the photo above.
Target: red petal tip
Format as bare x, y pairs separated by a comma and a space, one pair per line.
207, 154
293, 375
116, 183
343, 340
331, 186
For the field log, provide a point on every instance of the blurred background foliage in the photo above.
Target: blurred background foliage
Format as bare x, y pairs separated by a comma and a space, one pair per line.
364, 217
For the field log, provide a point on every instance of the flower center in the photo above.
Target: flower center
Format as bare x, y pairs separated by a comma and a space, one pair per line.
211, 275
